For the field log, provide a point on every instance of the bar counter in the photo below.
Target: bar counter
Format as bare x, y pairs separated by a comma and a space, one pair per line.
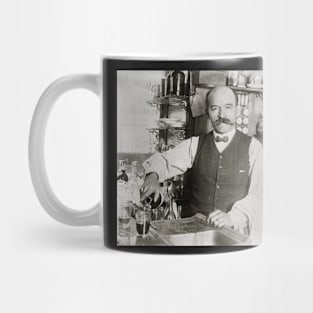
191, 231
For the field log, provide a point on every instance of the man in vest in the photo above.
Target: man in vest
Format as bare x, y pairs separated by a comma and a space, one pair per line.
226, 169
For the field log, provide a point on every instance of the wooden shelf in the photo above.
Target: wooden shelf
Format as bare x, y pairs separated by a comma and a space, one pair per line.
240, 89
166, 128
172, 100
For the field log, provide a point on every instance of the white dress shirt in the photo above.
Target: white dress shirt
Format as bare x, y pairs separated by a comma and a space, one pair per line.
246, 213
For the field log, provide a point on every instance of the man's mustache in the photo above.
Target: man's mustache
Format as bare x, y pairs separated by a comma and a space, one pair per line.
223, 120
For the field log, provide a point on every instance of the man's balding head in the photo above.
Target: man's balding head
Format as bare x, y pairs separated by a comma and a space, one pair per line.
222, 93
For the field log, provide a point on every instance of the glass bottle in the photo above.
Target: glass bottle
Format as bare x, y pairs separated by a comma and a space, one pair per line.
178, 83
122, 175
134, 184
133, 174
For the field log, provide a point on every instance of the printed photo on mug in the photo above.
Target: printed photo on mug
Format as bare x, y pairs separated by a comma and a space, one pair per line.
189, 157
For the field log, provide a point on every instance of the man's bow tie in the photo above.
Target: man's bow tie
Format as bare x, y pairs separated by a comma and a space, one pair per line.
219, 139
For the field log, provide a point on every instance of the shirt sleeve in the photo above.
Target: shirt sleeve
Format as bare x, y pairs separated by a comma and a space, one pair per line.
247, 212
173, 162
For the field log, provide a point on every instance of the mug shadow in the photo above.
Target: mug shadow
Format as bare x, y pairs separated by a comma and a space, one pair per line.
68, 238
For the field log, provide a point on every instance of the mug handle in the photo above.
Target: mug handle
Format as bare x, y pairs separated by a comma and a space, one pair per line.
45, 194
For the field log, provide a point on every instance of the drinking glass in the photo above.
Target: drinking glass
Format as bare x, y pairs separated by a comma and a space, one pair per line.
123, 218
143, 222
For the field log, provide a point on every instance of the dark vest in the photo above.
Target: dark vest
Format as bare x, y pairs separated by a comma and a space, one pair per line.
220, 179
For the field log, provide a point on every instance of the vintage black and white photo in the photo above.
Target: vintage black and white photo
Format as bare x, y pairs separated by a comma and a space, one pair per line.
189, 157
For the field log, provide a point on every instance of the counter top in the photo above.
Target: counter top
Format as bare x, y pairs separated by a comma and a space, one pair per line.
192, 231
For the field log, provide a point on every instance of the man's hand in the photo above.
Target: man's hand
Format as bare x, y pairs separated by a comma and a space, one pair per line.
219, 219
151, 185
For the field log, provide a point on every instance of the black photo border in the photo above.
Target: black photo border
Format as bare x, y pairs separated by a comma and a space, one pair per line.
110, 66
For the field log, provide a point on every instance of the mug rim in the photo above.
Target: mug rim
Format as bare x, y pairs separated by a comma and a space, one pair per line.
181, 57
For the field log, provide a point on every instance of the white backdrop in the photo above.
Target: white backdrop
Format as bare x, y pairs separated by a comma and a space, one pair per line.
49, 267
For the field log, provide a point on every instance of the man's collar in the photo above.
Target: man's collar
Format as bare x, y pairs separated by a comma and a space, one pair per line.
229, 134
